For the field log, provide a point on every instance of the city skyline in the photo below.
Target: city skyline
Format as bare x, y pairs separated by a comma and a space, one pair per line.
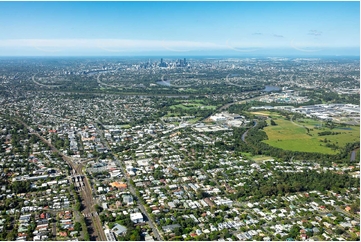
179, 28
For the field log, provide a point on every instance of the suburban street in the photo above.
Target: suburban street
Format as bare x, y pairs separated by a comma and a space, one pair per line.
132, 190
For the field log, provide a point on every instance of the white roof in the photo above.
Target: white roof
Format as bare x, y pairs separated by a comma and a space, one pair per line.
134, 216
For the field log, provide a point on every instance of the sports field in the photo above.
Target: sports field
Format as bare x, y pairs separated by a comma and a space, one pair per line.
293, 136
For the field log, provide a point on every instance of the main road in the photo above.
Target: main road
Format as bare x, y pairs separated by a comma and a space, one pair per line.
245, 133
131, 188
41, 84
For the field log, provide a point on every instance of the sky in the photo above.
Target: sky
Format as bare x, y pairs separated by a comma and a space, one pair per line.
179, 28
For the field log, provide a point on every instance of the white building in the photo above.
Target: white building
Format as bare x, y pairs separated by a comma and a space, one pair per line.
110, 236
136, 217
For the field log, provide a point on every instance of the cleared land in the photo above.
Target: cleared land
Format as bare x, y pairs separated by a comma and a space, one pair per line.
294, 136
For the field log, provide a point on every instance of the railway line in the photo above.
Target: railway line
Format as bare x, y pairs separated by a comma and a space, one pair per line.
85, 193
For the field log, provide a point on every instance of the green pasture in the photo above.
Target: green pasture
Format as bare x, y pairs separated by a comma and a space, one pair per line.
194, 120
246, 155
293, 136
348, 134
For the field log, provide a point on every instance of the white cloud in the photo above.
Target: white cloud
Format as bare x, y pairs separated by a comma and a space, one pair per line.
112, 45
240, 44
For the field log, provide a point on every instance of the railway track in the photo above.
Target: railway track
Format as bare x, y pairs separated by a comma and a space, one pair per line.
85, 194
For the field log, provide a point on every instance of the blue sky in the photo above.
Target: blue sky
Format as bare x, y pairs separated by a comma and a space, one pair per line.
179, 28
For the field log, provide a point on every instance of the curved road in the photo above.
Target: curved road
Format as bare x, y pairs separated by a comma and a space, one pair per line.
245, 133
225, 106
232, 84
295, 123
44, 85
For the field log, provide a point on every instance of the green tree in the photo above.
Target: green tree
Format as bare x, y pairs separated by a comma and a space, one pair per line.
134, 236
77, 226
294, 231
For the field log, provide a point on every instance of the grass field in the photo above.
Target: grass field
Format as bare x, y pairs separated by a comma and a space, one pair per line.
293, 136
260, 158
191, 105
193, 121
246, 155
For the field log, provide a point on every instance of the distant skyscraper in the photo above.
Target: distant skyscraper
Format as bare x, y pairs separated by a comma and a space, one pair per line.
162, 64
